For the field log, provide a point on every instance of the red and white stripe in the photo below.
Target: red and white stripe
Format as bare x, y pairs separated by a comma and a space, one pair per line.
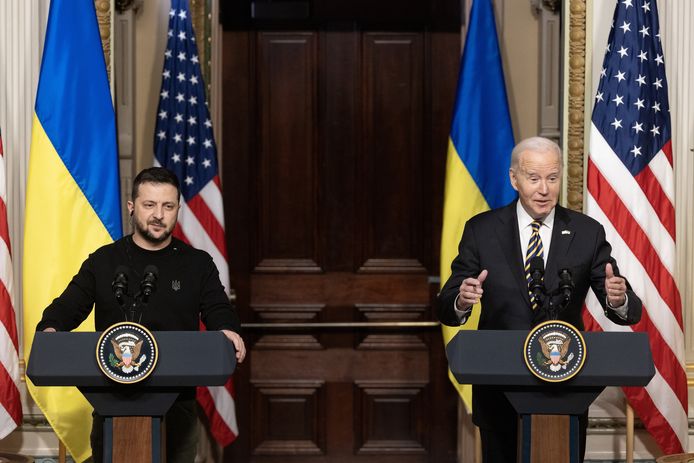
638, 214
201, 224
10, 403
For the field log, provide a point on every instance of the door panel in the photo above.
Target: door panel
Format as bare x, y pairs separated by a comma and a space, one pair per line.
334, 146
287, 155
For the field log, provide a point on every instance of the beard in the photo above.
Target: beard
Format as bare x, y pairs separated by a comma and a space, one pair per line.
144, 232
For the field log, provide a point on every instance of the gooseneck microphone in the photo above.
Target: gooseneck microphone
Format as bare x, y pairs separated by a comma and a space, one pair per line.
120, 283
537, 272
149, 282
566, 284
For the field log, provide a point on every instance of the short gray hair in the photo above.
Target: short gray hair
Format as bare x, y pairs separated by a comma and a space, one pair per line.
537, 144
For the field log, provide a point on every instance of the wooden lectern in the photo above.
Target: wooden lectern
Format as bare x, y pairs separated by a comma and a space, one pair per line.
186, 359
495, 358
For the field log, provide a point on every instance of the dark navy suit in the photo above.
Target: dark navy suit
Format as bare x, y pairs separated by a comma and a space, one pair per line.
491, 241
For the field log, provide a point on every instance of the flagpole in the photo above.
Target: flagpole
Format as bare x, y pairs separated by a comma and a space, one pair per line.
630, 433
62, 452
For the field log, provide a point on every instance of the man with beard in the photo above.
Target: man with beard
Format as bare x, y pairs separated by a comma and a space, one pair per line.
188, 290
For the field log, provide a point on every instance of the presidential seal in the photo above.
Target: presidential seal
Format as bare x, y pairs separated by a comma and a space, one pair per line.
126, 352
554, 351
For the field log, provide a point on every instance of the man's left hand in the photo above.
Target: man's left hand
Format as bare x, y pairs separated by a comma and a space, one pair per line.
615, 287
238, 344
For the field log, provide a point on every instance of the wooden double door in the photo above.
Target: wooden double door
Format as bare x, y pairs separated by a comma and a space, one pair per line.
334, 145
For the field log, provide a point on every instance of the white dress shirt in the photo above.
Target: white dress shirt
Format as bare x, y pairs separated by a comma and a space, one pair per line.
524, 232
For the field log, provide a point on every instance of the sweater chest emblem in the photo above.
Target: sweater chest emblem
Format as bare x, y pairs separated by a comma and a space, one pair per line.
176, 285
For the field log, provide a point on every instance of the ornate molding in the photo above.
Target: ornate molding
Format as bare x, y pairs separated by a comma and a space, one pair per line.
552, 5
201, 13
375, 313
577, 81
124, 5
103, 16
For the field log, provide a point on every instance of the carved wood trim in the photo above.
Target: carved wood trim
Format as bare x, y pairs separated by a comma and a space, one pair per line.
288, 313
288, 266
375, 432
279, 313
391, 313
576, 106
200, 12
307, 436
392, 266
103, 16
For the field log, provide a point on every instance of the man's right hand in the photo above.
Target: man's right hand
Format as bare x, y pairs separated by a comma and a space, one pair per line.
471, 291
49, 330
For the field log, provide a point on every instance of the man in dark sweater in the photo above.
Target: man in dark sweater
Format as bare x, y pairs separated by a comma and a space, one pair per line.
188, 290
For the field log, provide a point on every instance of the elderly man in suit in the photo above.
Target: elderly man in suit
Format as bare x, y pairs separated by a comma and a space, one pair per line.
491, 268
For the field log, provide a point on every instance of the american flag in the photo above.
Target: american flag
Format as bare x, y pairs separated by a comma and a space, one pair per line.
631, 192
184, 143
10, 404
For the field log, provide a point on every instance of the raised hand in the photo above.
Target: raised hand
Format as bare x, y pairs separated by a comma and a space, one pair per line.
615, 287
471, 290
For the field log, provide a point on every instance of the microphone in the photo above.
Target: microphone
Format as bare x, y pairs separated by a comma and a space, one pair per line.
149, 282
120, 283
566, 284
537, 273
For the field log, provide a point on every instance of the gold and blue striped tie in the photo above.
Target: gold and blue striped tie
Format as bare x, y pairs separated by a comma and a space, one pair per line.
534, 250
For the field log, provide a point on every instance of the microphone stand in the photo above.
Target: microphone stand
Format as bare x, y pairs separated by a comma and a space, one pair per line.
565, 289
547, 300
120, 290
138, 302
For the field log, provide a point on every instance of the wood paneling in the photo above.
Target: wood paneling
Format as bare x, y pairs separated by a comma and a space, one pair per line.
287, 180
396, 339
132, 439
340, 126
543, 449
389, 418
341, 365
289, 417
334, 152
390, 191
288, 313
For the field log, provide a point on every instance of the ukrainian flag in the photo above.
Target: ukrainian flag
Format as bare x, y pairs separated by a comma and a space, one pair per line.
72, 199
479, 148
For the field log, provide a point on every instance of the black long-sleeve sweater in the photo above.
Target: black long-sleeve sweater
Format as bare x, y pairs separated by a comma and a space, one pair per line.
188, 287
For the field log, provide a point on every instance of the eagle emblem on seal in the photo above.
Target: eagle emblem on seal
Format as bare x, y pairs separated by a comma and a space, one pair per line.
554, 351
554, 348
127, 351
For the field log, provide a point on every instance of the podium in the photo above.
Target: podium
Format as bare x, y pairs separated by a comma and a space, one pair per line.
495, 358
133, 412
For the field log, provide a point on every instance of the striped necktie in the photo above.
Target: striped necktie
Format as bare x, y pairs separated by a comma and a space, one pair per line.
534, 250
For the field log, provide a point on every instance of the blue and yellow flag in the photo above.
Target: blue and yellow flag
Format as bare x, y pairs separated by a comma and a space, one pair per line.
72, 200
479, 148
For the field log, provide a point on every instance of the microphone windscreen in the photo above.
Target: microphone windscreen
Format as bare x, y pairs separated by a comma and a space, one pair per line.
152, 269
537, 265
121, 270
